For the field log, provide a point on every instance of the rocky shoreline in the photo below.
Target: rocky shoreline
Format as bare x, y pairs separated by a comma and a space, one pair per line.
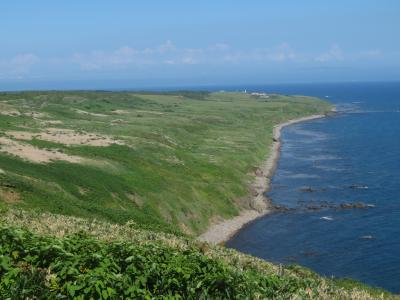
222, 231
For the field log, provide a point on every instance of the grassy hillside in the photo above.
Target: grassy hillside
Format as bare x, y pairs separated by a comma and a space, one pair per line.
167, 161
68, 257
97, 189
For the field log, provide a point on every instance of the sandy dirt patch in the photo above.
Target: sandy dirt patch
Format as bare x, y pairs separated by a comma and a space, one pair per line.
8, 110
35, 114
83, 112
31, 153
174, 160
224, 230
2, 171
75, 99
118, 121
9, 195
120, 111
135, 198
150, 112
51, 122
66, 137
82, 190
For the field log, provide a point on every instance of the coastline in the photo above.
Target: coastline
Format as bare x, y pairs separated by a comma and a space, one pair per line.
222, 231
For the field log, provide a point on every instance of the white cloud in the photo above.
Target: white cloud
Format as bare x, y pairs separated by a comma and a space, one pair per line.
27, 59
220, 47
335, 53
119, 58
373, 53
168, 46
169, 54
281, 53
126, 56
18, 65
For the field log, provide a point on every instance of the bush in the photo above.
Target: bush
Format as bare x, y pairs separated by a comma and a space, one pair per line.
83, 267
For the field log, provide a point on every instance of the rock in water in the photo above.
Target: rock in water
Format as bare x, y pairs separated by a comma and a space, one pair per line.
308, 189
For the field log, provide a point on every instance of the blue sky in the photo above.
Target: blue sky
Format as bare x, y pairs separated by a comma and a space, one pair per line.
198, 42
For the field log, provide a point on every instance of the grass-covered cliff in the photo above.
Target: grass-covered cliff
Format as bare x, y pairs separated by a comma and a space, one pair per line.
173, 161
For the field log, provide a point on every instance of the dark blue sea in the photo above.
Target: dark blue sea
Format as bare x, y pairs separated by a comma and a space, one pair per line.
349, 158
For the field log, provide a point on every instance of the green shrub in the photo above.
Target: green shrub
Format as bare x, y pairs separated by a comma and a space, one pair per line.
83, 267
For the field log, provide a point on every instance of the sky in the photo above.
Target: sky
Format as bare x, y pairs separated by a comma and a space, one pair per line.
133, 44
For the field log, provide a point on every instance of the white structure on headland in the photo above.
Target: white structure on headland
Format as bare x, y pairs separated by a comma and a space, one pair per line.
261, 95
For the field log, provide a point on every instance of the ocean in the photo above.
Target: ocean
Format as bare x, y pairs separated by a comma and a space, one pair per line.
327, 165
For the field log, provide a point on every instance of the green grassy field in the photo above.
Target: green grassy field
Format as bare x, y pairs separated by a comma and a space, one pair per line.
169, 161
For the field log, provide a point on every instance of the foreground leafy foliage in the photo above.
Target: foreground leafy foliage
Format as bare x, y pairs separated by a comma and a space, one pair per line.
139, 264
80, 265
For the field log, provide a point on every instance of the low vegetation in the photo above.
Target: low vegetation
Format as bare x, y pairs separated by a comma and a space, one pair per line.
82, 259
